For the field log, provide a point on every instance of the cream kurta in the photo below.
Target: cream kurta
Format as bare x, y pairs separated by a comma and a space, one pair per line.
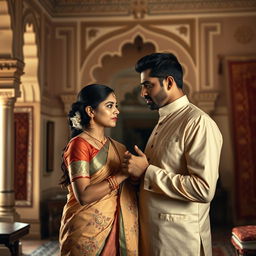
179, 184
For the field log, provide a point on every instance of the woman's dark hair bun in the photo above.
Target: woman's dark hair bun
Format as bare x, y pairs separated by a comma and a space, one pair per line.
90, 95
76, 106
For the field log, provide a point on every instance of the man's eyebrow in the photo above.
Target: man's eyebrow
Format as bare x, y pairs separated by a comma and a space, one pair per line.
143, 83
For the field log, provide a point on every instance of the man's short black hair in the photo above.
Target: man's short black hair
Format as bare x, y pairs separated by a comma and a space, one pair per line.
161, 65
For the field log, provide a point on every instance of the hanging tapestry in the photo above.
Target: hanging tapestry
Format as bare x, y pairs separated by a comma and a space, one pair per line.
23, 156
242, 78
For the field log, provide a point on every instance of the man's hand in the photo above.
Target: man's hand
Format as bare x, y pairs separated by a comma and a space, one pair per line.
135, 165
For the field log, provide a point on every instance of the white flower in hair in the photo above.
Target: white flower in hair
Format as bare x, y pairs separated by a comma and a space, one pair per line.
76, 121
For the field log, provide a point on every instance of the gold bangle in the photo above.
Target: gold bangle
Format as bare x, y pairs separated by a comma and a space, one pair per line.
113, 185
116, 185
109, 183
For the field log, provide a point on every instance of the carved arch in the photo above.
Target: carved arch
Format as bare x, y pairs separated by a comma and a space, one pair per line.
30, 18
113, 46
30, 89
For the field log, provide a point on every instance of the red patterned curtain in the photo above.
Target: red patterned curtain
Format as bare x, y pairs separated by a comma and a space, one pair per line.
242, 76
21, 121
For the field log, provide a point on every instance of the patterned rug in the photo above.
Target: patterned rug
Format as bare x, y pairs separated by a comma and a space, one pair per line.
50, 248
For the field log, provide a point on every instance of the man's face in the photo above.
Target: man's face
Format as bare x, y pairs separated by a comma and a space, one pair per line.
152, 91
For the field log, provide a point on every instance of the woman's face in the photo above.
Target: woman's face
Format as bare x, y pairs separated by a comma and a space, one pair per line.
106, 113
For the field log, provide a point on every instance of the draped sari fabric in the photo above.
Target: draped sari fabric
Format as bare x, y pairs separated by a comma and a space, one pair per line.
108, 226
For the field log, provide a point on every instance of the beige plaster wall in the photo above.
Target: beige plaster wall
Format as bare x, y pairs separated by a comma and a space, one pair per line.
51, 180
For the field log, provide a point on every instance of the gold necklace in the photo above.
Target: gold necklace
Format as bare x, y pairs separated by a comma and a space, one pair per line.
101, 142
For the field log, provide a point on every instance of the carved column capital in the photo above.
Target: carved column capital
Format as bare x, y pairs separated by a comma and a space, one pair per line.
7, 96
206, 101
68, 99
10, 73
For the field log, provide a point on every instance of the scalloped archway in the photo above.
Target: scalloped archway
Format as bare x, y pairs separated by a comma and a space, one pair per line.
99, 61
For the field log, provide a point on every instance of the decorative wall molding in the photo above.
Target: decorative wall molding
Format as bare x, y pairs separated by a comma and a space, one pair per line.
180, 31
84, 8
111, 46
67, 100
206, 101
207, 33
199, 6
139, 8
67, 36
93, 34
10, 64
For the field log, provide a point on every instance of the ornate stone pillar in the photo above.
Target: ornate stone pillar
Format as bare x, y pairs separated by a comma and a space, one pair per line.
10, 72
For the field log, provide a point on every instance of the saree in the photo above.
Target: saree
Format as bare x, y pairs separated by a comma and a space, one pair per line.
108, 226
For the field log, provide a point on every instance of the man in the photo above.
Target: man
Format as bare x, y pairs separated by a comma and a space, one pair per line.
179, 169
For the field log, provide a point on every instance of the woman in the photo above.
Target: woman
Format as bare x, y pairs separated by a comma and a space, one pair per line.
100, 216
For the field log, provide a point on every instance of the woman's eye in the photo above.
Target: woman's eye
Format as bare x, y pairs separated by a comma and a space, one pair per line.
116, 106
109, 106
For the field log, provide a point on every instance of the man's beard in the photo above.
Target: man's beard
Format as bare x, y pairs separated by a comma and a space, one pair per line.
152, 105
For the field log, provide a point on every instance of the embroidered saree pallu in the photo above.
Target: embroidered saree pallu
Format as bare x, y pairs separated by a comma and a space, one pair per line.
108, 226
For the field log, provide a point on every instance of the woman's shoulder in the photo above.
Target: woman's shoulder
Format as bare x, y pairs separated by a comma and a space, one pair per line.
78, 144
79, 149
78, 141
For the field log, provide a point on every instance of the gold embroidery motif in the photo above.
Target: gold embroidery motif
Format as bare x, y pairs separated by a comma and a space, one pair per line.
99, 221
88, 246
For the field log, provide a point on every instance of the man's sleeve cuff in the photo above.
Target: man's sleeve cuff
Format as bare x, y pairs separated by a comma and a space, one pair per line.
149, 177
